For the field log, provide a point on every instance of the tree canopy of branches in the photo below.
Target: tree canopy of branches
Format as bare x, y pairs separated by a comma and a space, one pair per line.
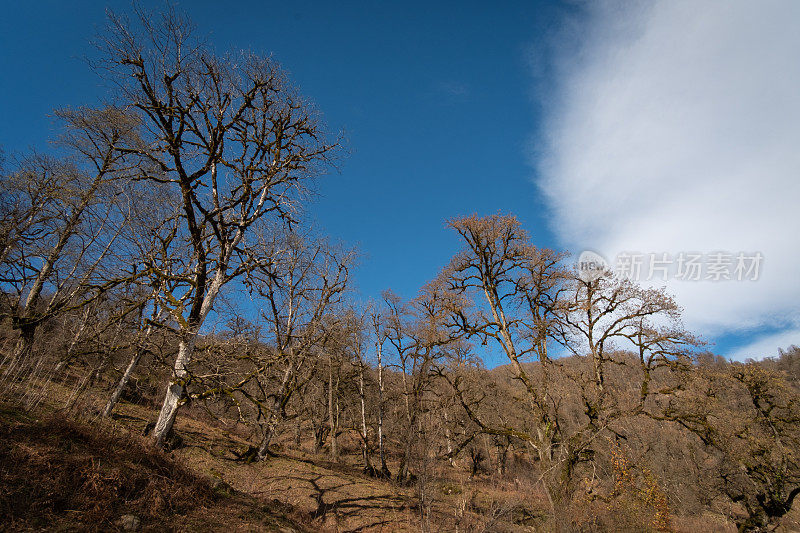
62, 220
748, 418
235, 141
522, 298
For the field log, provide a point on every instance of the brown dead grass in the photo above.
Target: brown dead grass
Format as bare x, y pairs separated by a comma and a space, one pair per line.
59, 474
328, 497
84, 479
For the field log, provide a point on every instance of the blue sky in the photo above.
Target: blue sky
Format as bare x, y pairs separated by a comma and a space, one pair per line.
436, 103
449, 109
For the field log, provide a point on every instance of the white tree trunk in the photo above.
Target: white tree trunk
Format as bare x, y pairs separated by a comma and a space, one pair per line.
126, 376
332, 415
166, 418
137, 355
169, 409
380, 407
364, 435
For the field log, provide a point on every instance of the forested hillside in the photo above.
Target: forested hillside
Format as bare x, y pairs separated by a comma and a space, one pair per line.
182, 350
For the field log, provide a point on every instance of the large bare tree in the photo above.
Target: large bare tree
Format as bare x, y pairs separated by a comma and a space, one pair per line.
232, 137
297, 292
300, 291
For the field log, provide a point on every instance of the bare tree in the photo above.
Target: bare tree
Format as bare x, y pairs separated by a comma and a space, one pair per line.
380, 338
144, 332
232, 137
510, 292
418, 335
151, 230
360, 335
522, 297
299, 289
748, 419
600, 315
61, 221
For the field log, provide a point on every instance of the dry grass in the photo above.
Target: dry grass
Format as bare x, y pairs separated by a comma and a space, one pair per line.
59, 474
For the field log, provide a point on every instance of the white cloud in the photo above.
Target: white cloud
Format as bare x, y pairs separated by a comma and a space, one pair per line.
767, 346
676, 127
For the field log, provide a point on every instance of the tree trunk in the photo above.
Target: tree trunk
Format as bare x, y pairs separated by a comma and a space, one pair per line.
126, 376
272, 417
137, 355
76, 338
384, 468
269, 433
364, 442
320, 435
403, 470
175, 389
332, 418
502, 457
448, 439
23, 349
177, 386
298, 432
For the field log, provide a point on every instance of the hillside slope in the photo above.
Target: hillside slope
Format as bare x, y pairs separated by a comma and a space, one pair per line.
58, 474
